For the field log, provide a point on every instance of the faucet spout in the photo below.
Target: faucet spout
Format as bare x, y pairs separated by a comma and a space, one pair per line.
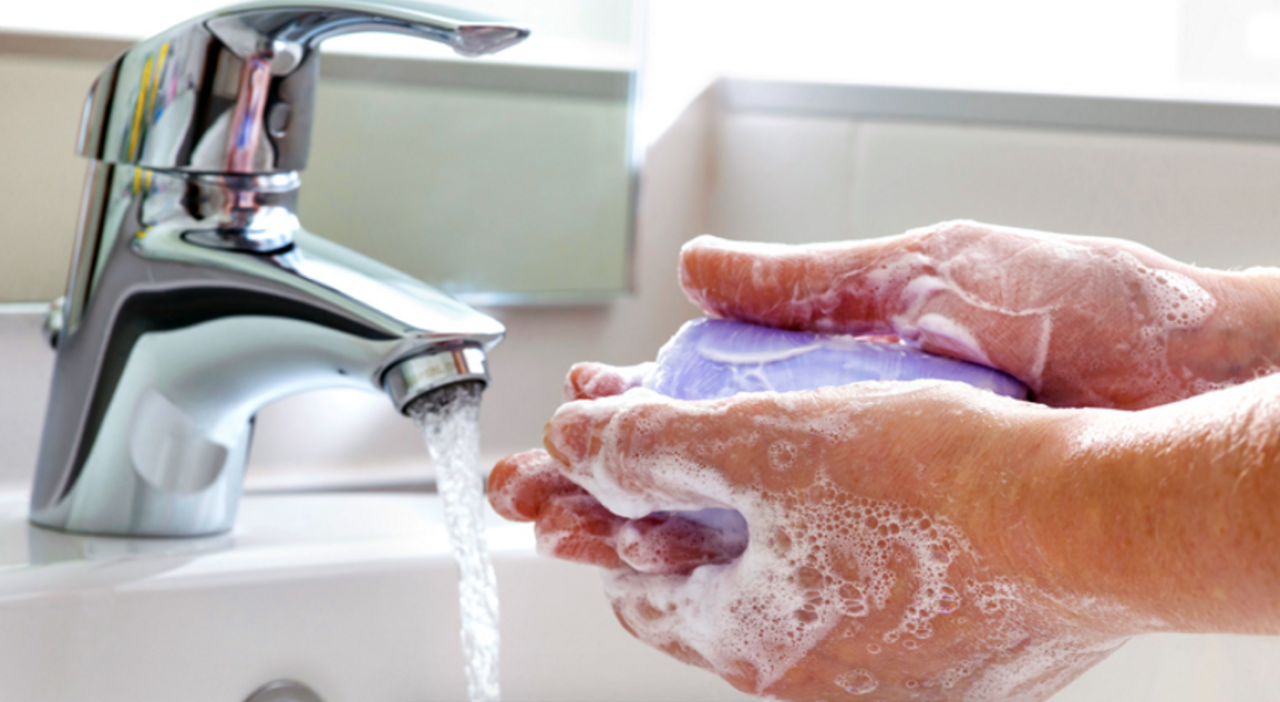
196, 296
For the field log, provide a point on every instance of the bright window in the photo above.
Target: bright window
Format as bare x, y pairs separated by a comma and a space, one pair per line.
1217, 50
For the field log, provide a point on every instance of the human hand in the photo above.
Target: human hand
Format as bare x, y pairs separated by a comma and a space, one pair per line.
1084, 322
880, 555
1081, 321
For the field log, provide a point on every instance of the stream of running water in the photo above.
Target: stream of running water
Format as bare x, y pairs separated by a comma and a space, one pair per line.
450, 423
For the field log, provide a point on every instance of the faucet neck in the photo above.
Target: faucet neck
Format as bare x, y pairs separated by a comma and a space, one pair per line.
256, 214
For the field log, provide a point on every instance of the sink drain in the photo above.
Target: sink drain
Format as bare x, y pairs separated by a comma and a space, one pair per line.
283, 691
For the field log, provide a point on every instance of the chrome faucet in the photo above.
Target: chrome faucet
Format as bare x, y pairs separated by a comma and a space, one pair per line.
195, 296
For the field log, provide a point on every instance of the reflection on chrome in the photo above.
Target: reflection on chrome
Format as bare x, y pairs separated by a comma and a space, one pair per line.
196, 296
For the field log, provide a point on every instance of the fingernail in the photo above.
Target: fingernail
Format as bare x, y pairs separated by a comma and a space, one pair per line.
705, 241
578, 384
568, 434
708, 241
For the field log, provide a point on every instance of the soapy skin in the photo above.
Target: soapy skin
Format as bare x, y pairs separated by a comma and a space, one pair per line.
1083, 322
926, 540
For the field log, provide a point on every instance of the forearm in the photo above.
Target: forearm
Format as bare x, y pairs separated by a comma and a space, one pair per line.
1173, 512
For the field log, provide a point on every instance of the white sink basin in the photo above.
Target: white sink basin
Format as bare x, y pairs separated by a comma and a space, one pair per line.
355, 596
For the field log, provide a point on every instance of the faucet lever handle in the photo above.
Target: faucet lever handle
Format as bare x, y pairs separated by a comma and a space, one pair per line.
275, 26
232, 92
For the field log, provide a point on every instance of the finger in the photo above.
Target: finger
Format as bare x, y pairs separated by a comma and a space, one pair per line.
675, 543
955, 289
848, 287
590, 381
695, 620
578, 528
631, 453
641, 453
520, 484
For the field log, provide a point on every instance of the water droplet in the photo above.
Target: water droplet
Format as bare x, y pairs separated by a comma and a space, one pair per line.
910, 644
855, 607
858, 682
873, 649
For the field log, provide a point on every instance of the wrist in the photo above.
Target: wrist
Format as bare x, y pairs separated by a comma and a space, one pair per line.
1068, 525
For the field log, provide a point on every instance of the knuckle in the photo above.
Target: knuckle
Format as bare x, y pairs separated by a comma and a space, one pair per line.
949, 236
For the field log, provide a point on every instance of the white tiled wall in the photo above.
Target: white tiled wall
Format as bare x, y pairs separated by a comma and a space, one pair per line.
783, 178
795, 178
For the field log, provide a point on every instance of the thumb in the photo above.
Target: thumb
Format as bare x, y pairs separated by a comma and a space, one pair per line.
641, 453
903, 284
589, 381
638, 452
842, 287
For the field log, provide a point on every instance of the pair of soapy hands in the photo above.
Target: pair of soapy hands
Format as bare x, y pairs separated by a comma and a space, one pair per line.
884, 556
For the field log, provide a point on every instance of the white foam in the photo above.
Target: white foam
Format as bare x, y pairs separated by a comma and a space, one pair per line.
628, 377
961, 339
673, 482
714, 533
793, 588
756, 357
858, 682
534, 467
764, 612
571, 525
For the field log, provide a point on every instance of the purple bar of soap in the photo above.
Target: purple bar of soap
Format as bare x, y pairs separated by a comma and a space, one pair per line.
714, 358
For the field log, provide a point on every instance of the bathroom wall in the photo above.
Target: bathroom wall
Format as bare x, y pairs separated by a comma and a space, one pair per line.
795, 178
40, 175
26, 364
